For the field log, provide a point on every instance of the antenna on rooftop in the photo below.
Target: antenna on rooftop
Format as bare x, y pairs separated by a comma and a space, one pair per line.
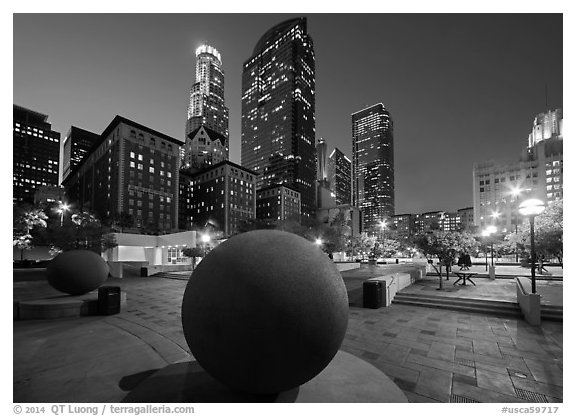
546, 96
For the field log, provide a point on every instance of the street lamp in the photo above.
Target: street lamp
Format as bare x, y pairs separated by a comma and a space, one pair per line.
491, 230
382, 224
515, 192
485, 235
318, 242
488, 231
61, 210
531, 208
205, 240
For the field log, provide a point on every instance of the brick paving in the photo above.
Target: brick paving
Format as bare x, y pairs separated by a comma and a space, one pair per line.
432, 355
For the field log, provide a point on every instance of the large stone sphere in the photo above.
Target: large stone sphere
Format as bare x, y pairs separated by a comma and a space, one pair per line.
77, 272
265, 312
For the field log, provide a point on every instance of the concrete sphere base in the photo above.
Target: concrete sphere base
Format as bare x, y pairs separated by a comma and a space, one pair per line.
265, 312
347, 379
77, 272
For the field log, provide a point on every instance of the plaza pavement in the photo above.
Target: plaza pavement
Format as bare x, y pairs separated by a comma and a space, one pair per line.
433, 355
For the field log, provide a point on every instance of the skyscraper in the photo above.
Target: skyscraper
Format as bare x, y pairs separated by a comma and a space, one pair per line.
206, 107
36, 154
373, 164
278, 107
322, 156
340, 177
76, 144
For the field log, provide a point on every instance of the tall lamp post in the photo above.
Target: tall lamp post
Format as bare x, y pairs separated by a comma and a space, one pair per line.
495, 215
382, 224
488, 231
531, 208
516, 193
205, 240
61, 210
485, 235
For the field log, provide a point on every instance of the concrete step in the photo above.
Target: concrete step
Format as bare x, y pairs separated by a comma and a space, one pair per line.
172, 275
552, 313
458, 304
458, 301
461, 308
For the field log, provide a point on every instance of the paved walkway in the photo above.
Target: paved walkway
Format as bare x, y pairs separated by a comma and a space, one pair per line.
432, 355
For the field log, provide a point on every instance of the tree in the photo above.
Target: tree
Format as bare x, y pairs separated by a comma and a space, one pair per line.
125, 220
25, 219
151, 227
193, 252
445, 245
361, 244
81, 230
548, 233
22, 242
389, 247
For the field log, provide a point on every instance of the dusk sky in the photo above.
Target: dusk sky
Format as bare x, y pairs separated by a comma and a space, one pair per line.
461, 88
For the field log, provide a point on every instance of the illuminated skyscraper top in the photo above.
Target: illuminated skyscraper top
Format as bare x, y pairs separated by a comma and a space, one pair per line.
206, 107
373, 164
545, 126
278, 106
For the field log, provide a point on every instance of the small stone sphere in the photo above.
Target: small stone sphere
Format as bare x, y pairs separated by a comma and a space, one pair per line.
265, 311
77, 272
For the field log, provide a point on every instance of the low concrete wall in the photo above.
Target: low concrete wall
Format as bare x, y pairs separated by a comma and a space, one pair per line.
529, 302
61, 307
347, 266
394, 283
151, 270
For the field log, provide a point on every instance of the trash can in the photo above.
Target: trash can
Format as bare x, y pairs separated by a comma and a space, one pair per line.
372, 294
108, 300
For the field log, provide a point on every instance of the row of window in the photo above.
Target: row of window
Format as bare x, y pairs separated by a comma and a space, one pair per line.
151, 140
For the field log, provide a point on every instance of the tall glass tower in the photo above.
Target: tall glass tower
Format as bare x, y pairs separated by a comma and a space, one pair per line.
340, 176
206, 107
278, 107
373, 165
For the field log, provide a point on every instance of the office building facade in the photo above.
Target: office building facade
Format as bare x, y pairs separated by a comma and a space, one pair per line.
278, 111
218, 198
340, 177
36, 154
132, 170
407, 225
207, 106
373, 165
76, 144
466, 216
499, 188
278, 203
404, 224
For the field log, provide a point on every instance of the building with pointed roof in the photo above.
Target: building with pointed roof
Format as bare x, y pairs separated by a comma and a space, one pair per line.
204, 147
